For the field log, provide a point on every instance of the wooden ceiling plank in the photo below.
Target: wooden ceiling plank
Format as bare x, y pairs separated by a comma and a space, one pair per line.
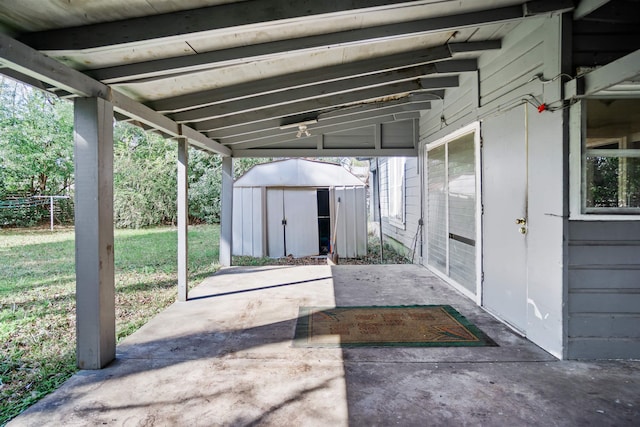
353, 118
290, 134
302, 78
314, 105
314, 92
327, 152
339, 114
186, 22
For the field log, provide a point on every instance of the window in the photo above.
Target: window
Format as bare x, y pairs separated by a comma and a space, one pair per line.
610, 181
452, 198
395, 168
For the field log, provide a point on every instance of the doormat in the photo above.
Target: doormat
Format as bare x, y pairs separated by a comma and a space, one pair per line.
387, 326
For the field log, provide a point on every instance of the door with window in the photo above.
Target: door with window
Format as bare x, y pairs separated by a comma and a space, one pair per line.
453, 213
504, 193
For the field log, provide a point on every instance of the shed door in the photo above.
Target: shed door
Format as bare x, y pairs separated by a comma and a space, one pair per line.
351, 236
292, 215
505, 201
275, 216
301, 213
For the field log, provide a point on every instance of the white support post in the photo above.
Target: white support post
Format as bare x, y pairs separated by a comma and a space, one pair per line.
183, 219
51, 212
95, 283
226, 219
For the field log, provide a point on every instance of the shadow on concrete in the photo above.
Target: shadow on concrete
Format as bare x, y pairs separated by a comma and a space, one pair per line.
225, 358
257, 289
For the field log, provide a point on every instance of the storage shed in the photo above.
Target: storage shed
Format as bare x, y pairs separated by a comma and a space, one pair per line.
290, 207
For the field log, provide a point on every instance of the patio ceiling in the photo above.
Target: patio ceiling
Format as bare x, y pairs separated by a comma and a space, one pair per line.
237, 77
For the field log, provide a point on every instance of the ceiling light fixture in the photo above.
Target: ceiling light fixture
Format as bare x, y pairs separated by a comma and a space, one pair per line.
302, 127
302, 130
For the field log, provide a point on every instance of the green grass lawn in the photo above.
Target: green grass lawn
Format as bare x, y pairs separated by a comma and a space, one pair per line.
37, 299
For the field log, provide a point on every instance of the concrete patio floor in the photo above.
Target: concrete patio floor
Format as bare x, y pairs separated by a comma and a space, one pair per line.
224, 358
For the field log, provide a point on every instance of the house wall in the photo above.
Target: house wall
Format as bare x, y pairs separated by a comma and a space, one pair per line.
604, 289
249, 221
403, 237
582, 287
504, 79
603, 277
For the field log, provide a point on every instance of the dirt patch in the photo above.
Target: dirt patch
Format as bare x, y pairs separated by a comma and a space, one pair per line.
372, 257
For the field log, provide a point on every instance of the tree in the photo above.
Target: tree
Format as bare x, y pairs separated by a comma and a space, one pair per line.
36, 157
36, 141
205, 183
144, 177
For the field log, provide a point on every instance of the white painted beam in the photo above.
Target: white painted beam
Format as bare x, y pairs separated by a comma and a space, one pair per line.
308, 77
290, 135
169, 27
162, 68
333, 152
339, 115
316, 105
143, 114
178, 24
412, 102
15, 75
308, 93
32, 64
544, 7
226, 214
95, 282
201, 141
183, 219
325, 125
623, 69
29, 62
585, 7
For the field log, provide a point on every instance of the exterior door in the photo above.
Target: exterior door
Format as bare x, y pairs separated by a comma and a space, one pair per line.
452, 202
504, 189
275, 227
301, 213
292, 218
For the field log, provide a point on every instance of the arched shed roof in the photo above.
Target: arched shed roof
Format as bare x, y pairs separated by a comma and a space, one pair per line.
297, 173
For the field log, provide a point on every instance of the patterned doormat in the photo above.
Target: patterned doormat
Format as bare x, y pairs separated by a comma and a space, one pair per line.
386, 326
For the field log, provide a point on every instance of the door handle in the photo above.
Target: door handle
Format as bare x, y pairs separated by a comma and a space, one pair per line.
521, 221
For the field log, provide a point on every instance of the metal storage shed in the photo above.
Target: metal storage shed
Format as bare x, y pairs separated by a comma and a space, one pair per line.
290, 207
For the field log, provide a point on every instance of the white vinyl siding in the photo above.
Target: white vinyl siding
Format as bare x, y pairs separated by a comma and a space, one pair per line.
396, 197
408, 234
248, 222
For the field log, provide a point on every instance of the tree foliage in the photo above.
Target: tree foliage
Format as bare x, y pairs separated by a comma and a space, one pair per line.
36, 151
144, 178
36, 134
205, 183
36, 157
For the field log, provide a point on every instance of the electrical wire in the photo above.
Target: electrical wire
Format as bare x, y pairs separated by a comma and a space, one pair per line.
415, 241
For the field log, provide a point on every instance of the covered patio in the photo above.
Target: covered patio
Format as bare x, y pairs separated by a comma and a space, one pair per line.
361, 78
225, 357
